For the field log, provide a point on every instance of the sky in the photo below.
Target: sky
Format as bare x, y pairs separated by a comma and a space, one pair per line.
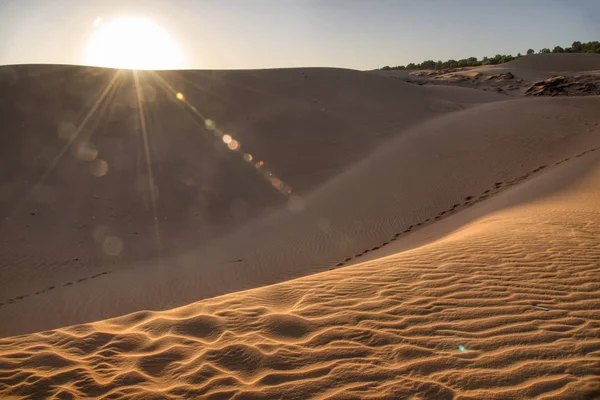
240, 34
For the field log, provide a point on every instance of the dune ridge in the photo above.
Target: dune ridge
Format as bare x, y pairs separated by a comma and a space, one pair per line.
507, 307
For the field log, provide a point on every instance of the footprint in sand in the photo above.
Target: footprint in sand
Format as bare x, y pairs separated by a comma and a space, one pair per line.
468, 201
106, 273
64, 285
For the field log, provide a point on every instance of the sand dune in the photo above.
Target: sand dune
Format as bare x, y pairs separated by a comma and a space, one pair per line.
398, 241
420, 176
561, 62
512, 78
536, 67
463, 95
82, 206
505, 308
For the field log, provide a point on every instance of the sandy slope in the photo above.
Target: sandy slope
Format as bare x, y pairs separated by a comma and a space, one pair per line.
414, 179
504, 308
542, 66
564, 62
65, 220
77, 203
476, 215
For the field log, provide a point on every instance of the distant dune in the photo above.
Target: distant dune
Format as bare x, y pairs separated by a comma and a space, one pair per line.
399, 241
575, 74
542, 66
560, 62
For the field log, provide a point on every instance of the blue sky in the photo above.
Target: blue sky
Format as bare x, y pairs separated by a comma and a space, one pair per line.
361, 34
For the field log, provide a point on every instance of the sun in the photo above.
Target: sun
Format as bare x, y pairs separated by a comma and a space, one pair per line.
132, 43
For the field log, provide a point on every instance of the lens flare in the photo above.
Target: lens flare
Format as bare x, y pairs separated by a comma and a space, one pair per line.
99, 168
112, 245
233, 145
210, 124
87, 152
66, 130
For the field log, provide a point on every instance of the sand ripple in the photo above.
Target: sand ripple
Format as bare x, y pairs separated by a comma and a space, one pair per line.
509, 311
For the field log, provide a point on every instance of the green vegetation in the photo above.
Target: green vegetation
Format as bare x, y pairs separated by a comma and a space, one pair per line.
576, 47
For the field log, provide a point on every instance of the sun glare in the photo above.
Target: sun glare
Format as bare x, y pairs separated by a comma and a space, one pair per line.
132, 43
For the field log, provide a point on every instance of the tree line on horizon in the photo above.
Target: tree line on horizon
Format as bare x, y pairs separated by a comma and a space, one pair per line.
576, 47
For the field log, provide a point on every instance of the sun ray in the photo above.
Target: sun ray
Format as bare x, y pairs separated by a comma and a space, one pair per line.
148, 160
105, 104
99, 100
